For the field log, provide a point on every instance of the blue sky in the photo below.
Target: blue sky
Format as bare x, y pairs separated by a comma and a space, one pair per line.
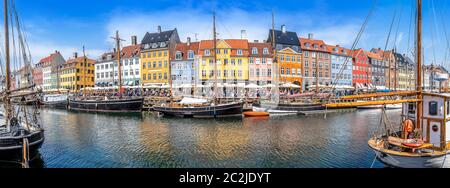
68, 25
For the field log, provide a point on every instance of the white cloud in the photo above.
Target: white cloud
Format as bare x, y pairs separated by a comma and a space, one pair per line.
42, 49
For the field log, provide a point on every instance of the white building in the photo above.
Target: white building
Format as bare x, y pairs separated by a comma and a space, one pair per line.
106, 68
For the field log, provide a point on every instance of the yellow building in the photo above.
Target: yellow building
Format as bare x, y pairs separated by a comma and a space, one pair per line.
156, 49
232, 60
76, 74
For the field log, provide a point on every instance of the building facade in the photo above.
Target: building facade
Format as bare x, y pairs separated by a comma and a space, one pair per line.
49, 66
288, 56
361, 69
341, 66
183, 70
260, 63
156, 49
77, 73
315, 53
378, 68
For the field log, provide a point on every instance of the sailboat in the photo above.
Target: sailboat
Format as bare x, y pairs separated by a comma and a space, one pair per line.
201, 108
423, 140
21, 134
57, 99
108, 104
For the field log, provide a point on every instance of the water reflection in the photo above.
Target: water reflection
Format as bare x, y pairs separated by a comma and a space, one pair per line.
144, 140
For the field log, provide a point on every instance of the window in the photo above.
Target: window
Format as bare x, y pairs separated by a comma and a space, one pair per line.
265, 51
239, 61
207, 53
282, 71
251, 60
306, 73
217, 51
254, 50
433, 108
269, 72
165, 53
263, 60
306, 54
225, 51
282, 57
191, 54
178, 55
239, 52
306, 63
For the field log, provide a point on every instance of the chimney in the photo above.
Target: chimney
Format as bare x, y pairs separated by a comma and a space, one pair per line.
133, 40
256, 41
243, 34
310, 36
283, 28
75, 55
189, 41
159, 29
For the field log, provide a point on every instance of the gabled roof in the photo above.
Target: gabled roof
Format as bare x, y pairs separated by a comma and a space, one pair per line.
287, 38
260, 47
79, 59
233, 43
320, 43
48, 58
338, 50
156, 37
184, 48
374, 55
131, 51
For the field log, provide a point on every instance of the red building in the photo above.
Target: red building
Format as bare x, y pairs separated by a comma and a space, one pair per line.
361, 69
38, 76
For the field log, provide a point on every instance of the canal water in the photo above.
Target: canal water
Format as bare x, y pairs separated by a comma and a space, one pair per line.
89, 140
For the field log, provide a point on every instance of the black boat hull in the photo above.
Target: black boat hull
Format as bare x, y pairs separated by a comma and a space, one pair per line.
11, 149
227, 110
56, 104
292, 107
121, 105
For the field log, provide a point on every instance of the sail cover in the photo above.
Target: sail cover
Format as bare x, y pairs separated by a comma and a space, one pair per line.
188, 100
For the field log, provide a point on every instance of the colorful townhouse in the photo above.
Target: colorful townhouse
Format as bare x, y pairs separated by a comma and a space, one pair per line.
107, 69
341, 66
361, 70
77, 73
25, 76
37, 75
405, 71
431, 76
315, 53
391, 73
260, 63
378, 68
156, 49
183, 70
49, 66
232, 61
289, 68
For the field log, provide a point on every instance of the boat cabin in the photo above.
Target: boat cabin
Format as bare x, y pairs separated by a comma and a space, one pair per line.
435, 126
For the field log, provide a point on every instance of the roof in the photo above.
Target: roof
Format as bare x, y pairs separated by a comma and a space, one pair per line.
156, 37
260, 47
48, 58
79, 59
234, 43
287, 38
131, 51
338, 50
322, 47
184, 48
374, 55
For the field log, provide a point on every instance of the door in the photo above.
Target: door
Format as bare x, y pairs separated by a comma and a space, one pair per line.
435, 133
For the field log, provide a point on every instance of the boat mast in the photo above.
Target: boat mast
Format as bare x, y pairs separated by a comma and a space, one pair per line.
6, 100
215, 58
419, 64
119, 69
274, 59
317, 72
84, 74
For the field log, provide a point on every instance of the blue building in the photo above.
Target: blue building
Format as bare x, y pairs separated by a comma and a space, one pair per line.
183, 67
341, 75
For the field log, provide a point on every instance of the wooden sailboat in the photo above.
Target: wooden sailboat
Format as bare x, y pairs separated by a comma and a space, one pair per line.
423, 140
108, 104
199, 108
275, 107
21, 134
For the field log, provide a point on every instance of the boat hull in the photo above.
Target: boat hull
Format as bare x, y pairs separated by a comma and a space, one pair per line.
120, 105
398, 161
287, 108
227, 110
56, 104
12, 148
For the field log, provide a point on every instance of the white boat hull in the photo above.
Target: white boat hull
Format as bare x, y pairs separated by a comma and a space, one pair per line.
414, 162
275, 112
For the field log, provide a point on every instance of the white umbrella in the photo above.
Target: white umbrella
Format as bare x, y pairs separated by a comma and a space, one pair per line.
290, 85
269, 85
252, 86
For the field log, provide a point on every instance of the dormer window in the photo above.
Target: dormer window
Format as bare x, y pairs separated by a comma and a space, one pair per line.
335, 49
254, 50
178, 55
146, 46
191, 54
154, 45
163, 44
239, 52
307, 45
207, 53
316, 46
265, 51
